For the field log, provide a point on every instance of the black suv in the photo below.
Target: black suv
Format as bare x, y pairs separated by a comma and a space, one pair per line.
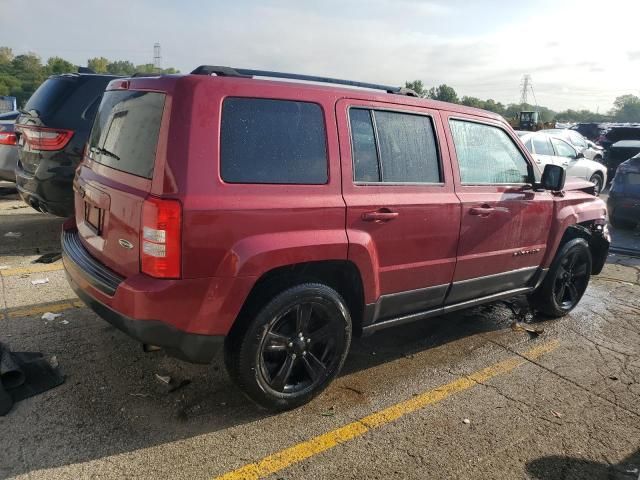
52, 130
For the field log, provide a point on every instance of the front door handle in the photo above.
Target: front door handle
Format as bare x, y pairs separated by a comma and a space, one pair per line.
482, 211
382, 215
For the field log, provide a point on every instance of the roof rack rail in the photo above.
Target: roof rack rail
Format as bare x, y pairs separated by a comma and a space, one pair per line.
249, 73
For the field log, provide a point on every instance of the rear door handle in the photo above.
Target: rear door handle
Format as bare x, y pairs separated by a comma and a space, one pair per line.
382, 215
482, 211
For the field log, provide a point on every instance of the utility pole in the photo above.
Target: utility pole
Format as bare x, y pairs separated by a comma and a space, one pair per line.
526, 85
157, 57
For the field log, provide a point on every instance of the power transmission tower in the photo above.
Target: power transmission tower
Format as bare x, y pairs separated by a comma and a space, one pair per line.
526, 85
157, 58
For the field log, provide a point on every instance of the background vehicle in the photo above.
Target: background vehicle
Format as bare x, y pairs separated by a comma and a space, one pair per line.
280, 218
624, 197
52, 132
619, 152
590, 131
8, 104
578, 142
548, 149
8, 146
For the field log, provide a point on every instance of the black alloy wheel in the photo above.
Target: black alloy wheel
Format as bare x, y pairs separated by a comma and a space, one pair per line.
292, 347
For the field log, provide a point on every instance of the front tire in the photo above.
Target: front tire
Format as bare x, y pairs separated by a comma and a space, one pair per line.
293, 348
598, 181
566, 281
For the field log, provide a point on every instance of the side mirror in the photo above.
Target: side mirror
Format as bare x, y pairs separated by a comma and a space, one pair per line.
579, 155
553, 177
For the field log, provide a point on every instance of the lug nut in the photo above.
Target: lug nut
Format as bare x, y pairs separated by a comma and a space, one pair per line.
290, 344
293, 356
304, 353
308, 340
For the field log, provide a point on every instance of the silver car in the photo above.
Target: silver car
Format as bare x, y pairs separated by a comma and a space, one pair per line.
546, 148
8, 146
589, 149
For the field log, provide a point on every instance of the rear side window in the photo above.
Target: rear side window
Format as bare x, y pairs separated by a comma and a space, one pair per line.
125, 131
487, 155
393, 147
52, 94
542, 145
272, 141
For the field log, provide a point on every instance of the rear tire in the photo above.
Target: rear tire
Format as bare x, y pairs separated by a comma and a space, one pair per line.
566, 281
598, 180
293, 348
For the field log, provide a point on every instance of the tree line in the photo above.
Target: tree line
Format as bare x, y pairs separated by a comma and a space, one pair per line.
626, 108
21, 75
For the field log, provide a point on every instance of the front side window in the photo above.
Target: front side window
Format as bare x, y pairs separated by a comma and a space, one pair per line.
542, 145
272, 141
487, 155
563, 149
403, 151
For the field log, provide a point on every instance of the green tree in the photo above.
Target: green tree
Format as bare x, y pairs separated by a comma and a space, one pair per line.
472, 102
121, 67
626, 108
6, 55
444, 93
417, 86
493, 106
98, 64
57, 65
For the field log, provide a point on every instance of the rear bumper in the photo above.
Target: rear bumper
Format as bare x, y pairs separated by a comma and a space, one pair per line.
51, 192
189, 318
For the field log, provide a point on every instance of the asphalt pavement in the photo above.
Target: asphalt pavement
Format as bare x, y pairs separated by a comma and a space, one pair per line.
459, 396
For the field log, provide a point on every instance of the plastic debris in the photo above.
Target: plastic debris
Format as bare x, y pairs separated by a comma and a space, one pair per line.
40, 281
525, 327
556, 414
166, 379
48, 316
13, 234
466, 421
330, 412
48, 258
65, 322
4, 267
54, 362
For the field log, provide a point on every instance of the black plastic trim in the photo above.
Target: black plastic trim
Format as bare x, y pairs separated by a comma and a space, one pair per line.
98, 275
191, 347
489, 284
402, 303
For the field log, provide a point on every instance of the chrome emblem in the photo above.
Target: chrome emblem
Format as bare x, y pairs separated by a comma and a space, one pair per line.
125, 243
533, 251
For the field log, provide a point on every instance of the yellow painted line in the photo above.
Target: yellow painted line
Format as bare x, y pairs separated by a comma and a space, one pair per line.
51, 267
302, 451
40, 309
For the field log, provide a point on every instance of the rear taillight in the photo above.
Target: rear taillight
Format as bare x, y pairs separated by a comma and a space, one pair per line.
160, 238
41, 138
8, 138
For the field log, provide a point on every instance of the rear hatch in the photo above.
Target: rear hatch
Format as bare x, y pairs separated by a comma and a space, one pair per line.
116, 176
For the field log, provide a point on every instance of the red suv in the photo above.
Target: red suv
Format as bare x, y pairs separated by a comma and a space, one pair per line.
274, 219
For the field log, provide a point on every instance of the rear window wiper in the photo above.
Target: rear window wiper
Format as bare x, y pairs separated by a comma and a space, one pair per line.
104, 151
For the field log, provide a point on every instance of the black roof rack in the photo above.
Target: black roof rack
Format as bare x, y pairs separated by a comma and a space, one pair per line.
249, 73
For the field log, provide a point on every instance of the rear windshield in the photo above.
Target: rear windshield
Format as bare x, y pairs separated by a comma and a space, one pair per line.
125, 131
51, 94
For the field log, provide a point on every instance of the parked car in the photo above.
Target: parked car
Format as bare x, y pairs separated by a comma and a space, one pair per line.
8, 104
548, 149
52, 133
617, 133
276, 219
619, 152
589, 130
581, 144
624, 196
8, 146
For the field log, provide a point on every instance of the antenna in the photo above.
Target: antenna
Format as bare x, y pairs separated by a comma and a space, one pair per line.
157, 57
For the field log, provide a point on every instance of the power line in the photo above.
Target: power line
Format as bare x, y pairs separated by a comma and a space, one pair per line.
526, 81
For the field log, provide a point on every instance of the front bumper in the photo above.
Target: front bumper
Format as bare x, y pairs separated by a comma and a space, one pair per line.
105, 293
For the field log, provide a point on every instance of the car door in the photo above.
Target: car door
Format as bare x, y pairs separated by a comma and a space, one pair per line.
542, 149
403, 216
505, 222
567, 158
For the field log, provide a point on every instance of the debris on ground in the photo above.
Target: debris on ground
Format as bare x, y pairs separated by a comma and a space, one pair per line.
143, 395
40, 281
65, 322
556, 414
466, 421
13, 234
48, 258
525, 327
49, 316
330, 412
4, 267
166, 379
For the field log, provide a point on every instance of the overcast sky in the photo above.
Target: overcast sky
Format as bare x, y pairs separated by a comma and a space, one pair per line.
580, 54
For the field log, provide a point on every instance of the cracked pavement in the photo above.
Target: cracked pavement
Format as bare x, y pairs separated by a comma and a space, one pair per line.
572, 413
